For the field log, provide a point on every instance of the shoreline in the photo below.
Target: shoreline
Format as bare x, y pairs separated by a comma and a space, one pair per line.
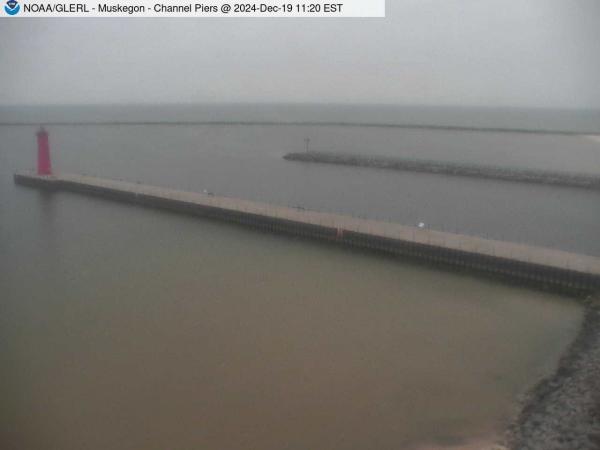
562, 411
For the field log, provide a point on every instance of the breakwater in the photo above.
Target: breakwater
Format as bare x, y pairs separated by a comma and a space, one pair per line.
451, 168
534, 265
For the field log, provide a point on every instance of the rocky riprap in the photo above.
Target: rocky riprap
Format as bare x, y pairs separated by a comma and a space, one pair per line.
563, 411
590, 181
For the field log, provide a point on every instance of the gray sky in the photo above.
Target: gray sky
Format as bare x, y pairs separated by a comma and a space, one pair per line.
543, 53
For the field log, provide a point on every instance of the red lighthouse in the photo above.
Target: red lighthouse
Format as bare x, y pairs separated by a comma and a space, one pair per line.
44, 167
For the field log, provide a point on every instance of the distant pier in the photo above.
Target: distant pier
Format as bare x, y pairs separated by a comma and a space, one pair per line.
451, 168
544, 267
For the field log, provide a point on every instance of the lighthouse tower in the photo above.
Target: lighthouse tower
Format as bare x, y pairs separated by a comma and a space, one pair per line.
44, 166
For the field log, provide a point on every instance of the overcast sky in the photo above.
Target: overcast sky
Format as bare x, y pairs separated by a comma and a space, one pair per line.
543, 53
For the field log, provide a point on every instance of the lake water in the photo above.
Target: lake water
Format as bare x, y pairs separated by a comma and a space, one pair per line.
123, 327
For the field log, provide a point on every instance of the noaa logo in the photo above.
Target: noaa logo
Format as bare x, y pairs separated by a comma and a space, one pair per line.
12, 7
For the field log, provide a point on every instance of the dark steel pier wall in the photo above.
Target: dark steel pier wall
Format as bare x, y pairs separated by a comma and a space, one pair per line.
539, 275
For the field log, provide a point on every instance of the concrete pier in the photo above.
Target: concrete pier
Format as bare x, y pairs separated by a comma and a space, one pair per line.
534, 265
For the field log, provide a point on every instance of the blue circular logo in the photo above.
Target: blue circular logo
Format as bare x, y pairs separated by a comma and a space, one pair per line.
12, 7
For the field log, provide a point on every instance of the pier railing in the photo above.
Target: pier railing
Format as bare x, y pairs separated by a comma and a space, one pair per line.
534, 265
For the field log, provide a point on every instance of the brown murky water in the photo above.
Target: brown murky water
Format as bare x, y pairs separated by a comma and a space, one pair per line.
129, 328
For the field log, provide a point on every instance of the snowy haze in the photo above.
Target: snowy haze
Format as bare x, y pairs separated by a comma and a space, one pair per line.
535, 53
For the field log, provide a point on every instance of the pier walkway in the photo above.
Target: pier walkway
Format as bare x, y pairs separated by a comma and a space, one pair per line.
543, 266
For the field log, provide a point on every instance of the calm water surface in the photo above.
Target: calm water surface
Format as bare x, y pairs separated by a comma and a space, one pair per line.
123, 327
246, 162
